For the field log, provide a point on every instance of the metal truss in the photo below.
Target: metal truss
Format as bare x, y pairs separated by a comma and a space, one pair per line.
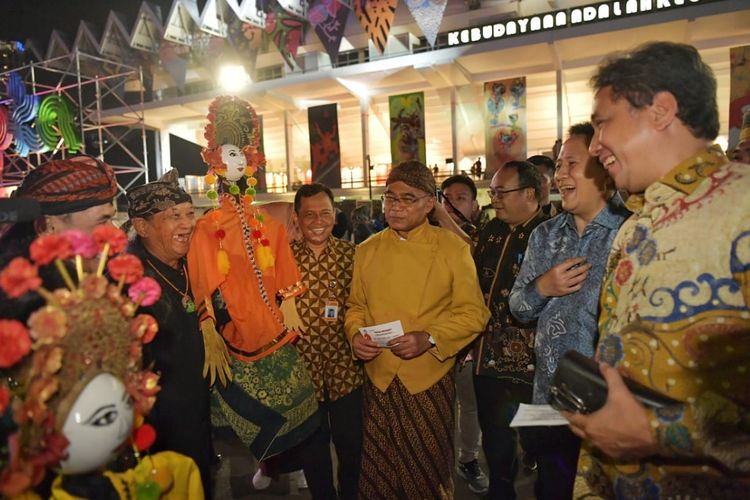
91, 84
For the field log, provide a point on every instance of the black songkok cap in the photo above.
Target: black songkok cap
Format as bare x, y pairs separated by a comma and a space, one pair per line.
154, 197
71, 185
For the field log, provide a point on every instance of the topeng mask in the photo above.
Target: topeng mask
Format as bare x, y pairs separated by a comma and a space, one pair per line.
234, 159
99, 422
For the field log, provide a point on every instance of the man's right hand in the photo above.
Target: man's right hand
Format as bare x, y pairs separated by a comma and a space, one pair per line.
565, 278
364, 348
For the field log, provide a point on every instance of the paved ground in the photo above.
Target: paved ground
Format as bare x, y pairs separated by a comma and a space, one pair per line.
234, 480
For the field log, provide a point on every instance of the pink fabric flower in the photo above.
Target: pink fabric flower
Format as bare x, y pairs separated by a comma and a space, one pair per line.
82, 243
126, 266
145, 292
49, 247
14, 337
19, 277
48, 324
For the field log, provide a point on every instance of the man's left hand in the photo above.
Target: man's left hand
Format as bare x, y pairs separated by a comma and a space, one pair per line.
621, 427
410, 345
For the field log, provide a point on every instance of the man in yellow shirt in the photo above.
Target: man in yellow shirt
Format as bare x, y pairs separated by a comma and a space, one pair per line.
424, 277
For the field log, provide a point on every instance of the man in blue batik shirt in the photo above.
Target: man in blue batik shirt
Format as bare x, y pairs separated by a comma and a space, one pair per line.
558, 287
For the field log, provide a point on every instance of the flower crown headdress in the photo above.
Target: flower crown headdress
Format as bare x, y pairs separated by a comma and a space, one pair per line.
84, 329
232, 120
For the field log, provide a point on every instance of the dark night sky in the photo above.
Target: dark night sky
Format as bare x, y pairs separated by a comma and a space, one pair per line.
22, 19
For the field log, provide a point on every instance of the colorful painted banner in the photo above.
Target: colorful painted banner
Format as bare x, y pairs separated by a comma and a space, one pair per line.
505, 122
286, 31
294, 7
174, 59
739, 91
407, 127
325, 152
328, 17
376, 18
428, 14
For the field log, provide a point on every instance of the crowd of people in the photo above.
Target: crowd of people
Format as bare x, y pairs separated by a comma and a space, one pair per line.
425, 337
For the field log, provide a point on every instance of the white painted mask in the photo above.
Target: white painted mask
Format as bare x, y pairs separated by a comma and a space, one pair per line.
235, 161
99, 422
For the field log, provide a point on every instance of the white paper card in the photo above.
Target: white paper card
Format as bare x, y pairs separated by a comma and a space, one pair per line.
381, 334
537, 415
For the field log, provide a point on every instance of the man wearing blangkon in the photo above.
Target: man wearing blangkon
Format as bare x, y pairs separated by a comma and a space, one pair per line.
674, 307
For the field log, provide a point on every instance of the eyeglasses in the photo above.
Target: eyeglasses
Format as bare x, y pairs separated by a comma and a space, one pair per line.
405, 201
499, 193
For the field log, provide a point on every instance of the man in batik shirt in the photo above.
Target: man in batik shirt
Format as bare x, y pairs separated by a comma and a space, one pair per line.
326, 265
504, 354
675, 313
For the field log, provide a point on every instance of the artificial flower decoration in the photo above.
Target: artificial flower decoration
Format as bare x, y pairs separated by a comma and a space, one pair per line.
82, 243
144, 292
84, 330
109, 237
19, 277
125, 268
144, 327
14, 337
49, 248
48, 324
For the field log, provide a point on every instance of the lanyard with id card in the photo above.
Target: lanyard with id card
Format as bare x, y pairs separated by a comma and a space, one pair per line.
331, 309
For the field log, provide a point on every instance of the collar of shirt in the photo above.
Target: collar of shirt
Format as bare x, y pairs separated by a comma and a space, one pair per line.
417, 234
685, 177
609, 217
302, 245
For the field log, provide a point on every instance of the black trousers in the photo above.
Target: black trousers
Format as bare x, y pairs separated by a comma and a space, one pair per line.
555, 450
497, 403
341, 423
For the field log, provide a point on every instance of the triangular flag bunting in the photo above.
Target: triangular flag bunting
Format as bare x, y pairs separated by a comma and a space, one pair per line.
376, 18
428, 14
328, 17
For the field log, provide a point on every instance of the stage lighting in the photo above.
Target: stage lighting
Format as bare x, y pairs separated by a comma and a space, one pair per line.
233, 77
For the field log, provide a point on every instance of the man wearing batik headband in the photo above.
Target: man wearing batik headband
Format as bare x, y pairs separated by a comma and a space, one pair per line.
422, 276
76, 193
162, 216
244, 279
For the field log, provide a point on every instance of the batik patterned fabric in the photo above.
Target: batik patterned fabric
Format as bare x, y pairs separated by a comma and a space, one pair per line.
505, 349
323, 345
567, 323
675, 317
376, 18
407, 442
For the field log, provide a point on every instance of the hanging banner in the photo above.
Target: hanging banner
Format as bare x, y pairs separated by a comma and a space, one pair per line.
23, 113
505, 122
407, 127
428, 14
739, 91
376, 18
328, 17
325, 152
286, 31
246, 40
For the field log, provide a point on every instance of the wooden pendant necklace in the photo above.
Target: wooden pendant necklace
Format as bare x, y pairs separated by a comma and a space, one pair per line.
187, 301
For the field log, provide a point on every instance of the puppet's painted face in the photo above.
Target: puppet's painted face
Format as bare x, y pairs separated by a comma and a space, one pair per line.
235, 161
99, 422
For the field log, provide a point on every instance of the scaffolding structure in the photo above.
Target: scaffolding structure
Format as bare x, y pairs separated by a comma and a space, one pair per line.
89, 83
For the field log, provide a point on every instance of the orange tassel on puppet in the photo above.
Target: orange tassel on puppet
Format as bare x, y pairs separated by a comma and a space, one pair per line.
222, 261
